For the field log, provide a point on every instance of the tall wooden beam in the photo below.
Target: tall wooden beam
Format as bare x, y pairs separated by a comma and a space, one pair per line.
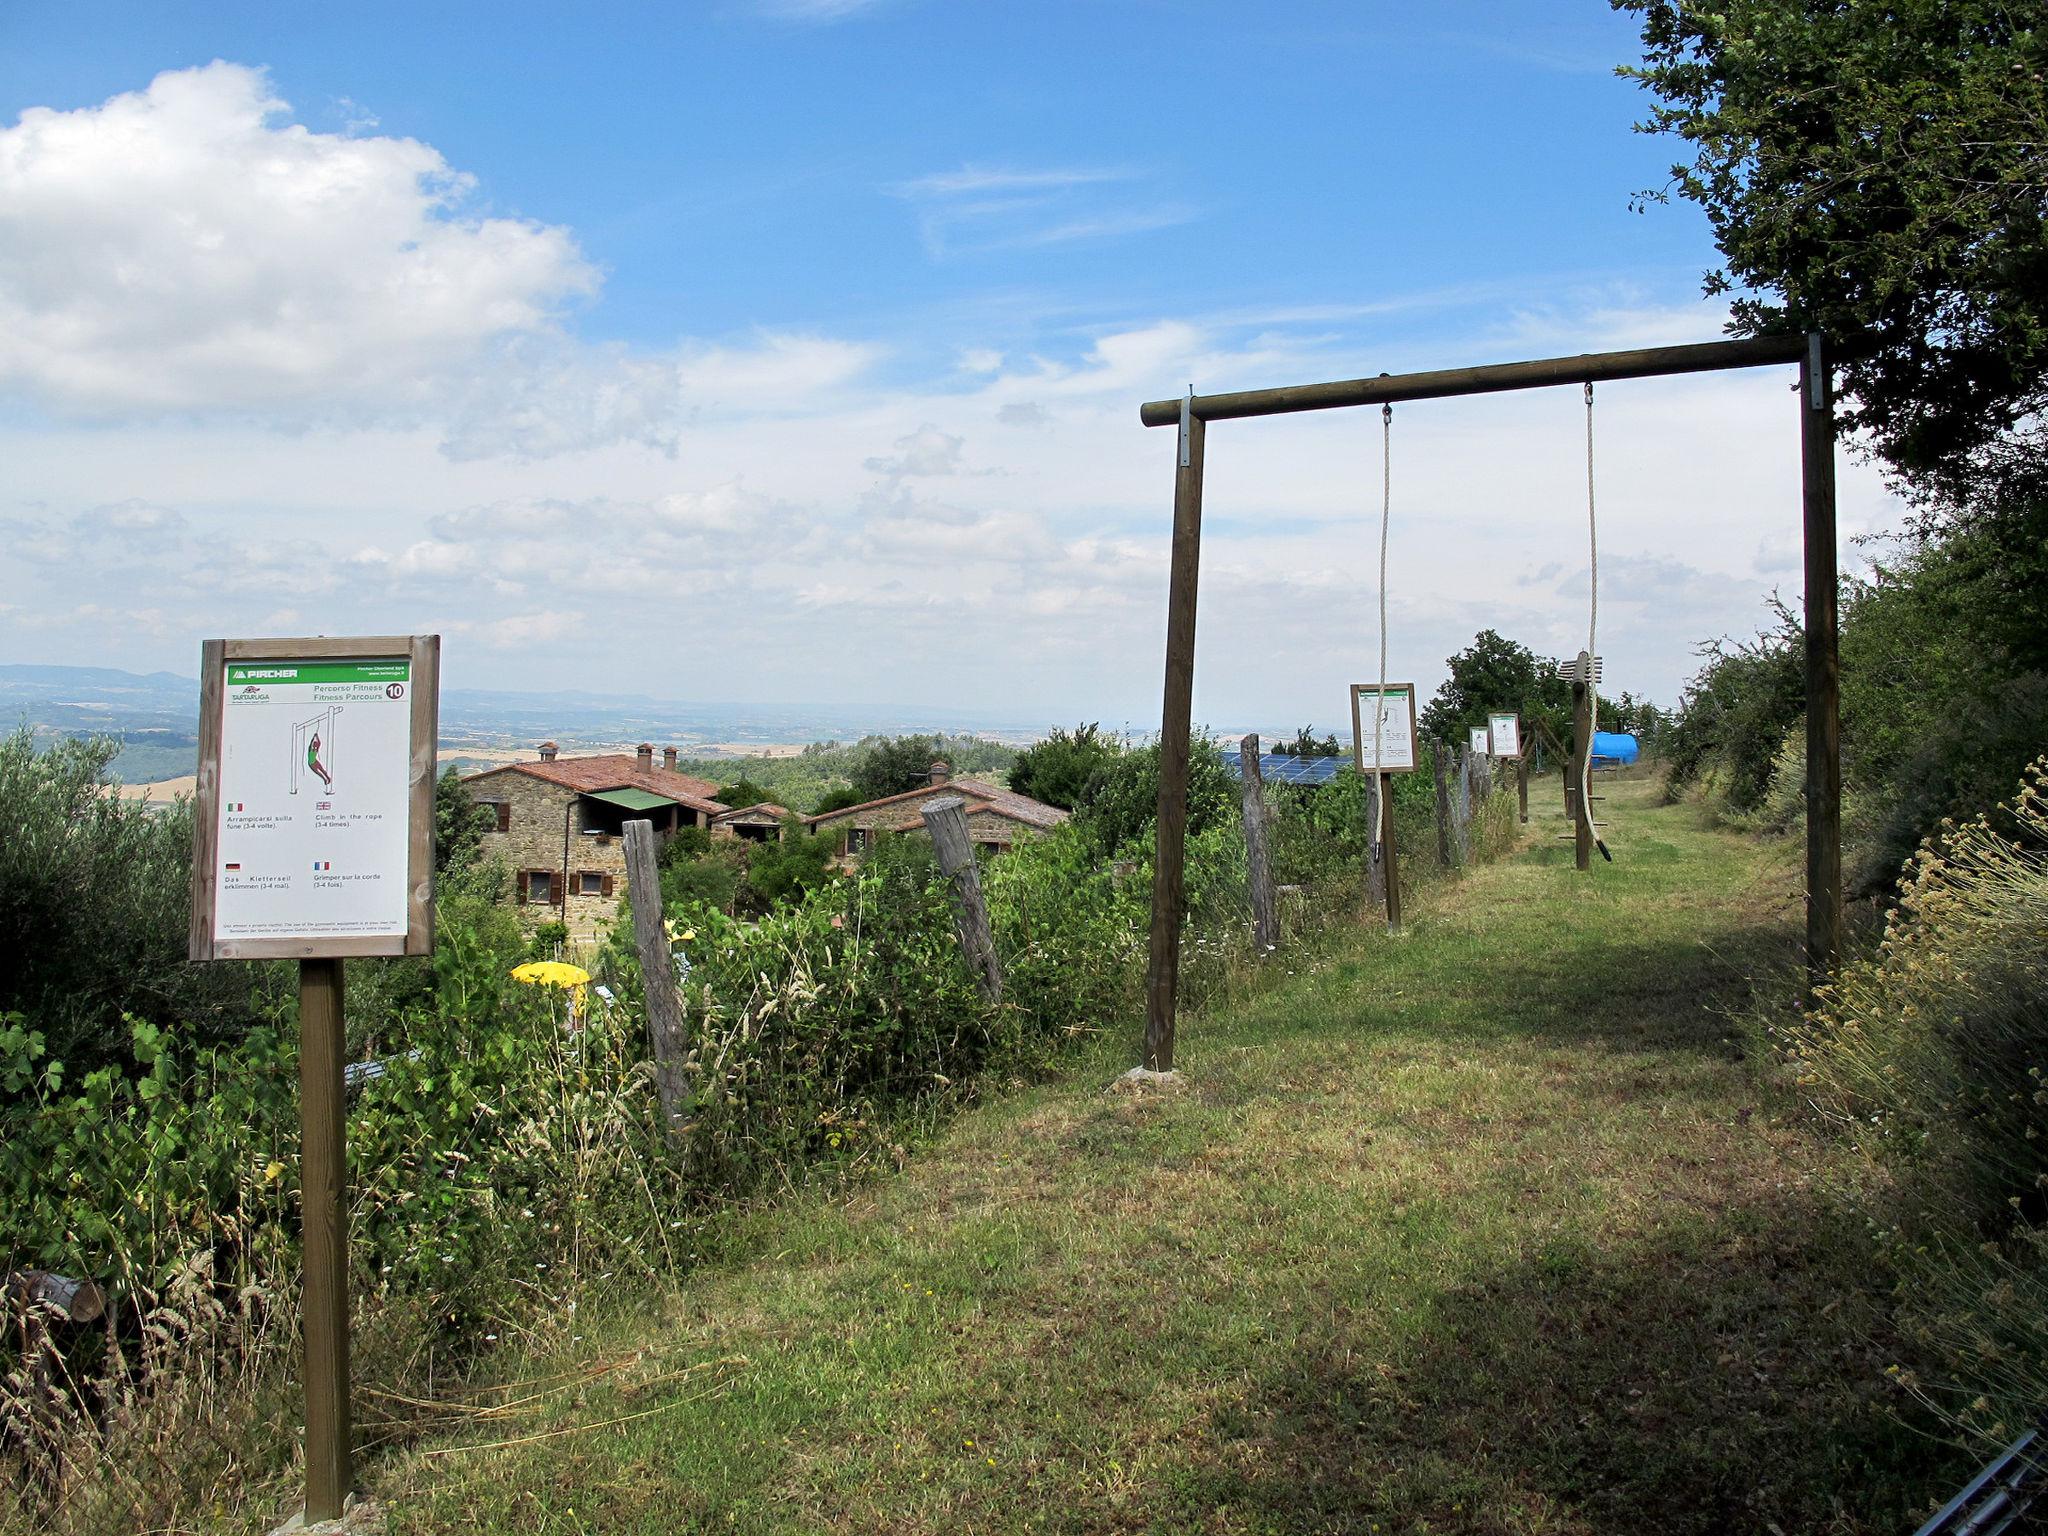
1162, 972
323, 1179
1823, 662
1587, 368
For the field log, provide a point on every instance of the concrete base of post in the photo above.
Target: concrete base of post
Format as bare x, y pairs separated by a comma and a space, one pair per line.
1145, 1080
359, 1517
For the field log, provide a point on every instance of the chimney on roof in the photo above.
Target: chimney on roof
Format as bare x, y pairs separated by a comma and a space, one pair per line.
668, 758
644, 755
942, 771
547, 751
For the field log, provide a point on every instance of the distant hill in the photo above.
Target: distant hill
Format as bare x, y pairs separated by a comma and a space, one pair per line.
154, 715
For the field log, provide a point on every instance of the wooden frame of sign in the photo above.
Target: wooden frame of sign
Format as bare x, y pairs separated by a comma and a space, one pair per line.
268, 865
1407, 760
1518, 757
421, 655
1361, 691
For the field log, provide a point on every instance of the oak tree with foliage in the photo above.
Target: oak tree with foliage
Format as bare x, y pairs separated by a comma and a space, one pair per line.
1880, 170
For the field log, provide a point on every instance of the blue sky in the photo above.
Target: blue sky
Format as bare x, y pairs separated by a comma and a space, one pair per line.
793, 350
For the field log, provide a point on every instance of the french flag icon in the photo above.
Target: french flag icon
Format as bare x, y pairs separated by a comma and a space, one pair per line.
322, 864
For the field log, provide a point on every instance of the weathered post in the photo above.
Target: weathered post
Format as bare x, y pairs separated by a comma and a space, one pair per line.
1391, 866
1375, 855
1578, 793
1443, 805
1257, 854
657, 978
946, 821
1169, 867
1522, 786
1823, 664
1461, 810
322, 1178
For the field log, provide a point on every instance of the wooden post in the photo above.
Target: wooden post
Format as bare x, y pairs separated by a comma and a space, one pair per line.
1162, 970
1580, 804
657, 977
324, 1223
946, 821
1443, 805
1257, 855
1522, 786
1823, 664
1390, 869
1375, 860
1461, 806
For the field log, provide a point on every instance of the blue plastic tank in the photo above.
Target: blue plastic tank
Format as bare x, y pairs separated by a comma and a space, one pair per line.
1615, 747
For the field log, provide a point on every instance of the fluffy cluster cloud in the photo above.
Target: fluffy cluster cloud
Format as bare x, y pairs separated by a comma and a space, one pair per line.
186, 247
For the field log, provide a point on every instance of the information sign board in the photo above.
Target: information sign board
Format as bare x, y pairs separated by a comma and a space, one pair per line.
1506, 731
1480, 742
315, 798
1395, 711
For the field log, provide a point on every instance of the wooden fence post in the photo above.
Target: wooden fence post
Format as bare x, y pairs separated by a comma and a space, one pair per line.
1522, 786
1258, 856
657, 978
1443, 805
1461, 815
946, 821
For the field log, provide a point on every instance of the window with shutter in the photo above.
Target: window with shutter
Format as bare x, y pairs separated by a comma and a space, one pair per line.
504, 810
590, 883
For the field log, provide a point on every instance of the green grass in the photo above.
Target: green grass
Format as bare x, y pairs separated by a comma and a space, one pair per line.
1491, 1227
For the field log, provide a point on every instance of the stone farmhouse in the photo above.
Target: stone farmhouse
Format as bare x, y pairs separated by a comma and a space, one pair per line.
561, 826
561, 821
997, 818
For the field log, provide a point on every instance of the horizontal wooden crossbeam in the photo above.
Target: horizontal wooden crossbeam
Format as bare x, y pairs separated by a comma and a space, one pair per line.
1586, 368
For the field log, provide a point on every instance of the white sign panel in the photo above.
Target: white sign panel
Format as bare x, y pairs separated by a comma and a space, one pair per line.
1506, 731
1480, 742
1395, 713
315, 806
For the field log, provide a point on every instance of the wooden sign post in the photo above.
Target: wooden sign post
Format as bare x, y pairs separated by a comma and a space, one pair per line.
1504, 730
313, 840
1392, 751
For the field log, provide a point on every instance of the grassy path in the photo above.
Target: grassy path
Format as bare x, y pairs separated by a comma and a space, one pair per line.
1488, 1228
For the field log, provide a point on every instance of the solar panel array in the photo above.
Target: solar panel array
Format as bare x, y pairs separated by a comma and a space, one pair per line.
1275, 769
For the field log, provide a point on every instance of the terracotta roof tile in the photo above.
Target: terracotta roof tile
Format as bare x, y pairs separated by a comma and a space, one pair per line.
615, 770
979, 796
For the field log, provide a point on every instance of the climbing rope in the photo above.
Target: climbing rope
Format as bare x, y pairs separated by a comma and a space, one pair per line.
1590, 669
1379, 699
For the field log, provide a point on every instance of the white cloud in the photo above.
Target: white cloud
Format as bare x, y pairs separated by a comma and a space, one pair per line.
981, 209
186, 247
927, 451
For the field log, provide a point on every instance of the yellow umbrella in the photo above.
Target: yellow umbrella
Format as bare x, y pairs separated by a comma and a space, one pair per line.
551, 973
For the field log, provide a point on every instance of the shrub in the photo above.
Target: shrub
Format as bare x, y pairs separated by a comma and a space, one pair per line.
1062, 768
94, 894
1931, 1056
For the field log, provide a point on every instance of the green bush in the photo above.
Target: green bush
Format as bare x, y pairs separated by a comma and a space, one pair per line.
94, 896
1932, 1056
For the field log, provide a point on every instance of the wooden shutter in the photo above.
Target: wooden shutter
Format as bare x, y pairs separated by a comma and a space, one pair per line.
607, 885
504, 809
519, 885
561, 889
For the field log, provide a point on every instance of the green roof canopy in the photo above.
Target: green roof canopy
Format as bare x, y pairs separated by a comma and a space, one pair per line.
630, 799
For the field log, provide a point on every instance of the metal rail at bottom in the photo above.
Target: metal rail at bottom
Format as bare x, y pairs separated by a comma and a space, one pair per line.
1998, 1496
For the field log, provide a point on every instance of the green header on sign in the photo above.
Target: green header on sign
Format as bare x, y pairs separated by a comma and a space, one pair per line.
275, 674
